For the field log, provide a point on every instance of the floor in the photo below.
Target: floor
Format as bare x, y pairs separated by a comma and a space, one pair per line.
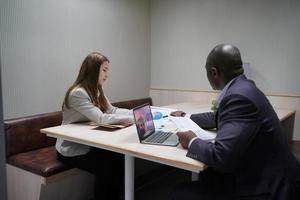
160, 188
159, 184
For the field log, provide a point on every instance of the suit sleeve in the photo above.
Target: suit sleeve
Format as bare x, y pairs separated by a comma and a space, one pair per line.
205, 120
238, 125
80, 101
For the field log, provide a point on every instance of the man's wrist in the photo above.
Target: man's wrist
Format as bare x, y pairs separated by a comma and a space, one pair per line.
191, 141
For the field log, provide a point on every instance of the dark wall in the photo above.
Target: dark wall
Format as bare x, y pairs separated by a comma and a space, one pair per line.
3, 192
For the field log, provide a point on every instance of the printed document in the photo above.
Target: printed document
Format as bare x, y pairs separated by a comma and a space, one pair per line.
176, 124
186, 124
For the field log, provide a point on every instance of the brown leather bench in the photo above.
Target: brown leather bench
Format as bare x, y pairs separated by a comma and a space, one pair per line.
29, 150
295, 146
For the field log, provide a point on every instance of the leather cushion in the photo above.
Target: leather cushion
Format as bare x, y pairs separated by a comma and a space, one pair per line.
41, 161
129, 104
295, 146
23, 134
31, 150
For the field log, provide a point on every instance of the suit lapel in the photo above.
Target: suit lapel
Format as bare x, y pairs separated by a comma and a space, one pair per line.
217, 118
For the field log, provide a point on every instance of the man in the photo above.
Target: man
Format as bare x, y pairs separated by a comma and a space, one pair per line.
250, 158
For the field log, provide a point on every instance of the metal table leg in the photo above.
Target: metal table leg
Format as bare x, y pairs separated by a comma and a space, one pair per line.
195, 176
129, 177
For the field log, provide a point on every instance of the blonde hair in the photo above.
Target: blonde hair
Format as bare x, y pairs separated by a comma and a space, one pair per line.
88, 79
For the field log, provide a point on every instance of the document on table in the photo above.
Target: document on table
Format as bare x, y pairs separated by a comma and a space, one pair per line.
110, 126
164, 124
186, 124
175, 124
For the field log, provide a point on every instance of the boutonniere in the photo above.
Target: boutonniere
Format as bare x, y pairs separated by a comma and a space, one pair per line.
213, 106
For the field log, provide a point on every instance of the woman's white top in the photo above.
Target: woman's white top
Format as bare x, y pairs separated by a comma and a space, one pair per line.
81, 110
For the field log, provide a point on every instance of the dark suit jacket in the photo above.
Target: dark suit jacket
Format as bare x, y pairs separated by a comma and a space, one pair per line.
250, 155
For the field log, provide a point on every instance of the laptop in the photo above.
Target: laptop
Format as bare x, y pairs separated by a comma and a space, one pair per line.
146, 129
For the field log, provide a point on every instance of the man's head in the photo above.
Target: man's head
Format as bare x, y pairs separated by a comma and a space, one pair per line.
223, 63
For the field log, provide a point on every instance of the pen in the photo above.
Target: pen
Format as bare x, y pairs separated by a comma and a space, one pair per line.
165, 116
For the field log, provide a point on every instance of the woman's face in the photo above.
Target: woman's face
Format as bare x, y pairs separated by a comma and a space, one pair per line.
103, 72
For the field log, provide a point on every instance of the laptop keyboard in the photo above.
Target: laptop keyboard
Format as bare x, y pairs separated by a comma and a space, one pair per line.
158, 137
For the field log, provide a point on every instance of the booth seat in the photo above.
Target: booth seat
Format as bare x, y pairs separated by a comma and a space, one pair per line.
33, 172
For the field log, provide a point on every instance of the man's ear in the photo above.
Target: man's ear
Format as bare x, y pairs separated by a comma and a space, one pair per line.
215, 71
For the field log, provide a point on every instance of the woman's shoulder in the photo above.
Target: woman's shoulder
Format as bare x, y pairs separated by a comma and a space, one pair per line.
78, 91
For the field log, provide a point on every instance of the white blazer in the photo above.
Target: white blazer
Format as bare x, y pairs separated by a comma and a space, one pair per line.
82, 109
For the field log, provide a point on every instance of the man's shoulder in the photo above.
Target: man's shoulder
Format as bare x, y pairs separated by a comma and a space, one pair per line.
247, 92
244, 87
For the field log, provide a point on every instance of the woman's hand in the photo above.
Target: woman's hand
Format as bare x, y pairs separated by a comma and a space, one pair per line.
127, 124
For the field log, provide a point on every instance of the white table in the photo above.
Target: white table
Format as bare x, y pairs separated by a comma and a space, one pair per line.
126, 141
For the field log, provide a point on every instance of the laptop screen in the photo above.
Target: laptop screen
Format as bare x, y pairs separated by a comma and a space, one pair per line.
143, 121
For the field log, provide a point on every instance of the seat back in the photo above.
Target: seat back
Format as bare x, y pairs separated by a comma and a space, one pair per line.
23, 134
129, 104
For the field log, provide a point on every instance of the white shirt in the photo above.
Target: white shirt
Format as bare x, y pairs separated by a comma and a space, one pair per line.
82, 110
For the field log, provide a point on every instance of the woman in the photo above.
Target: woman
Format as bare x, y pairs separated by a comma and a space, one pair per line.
85, 101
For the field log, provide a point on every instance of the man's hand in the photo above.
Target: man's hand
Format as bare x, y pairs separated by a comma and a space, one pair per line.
177, 114
185, 137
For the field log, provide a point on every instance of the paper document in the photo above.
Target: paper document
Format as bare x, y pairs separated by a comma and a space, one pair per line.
186, 124
110, 126
175, 124
163, 123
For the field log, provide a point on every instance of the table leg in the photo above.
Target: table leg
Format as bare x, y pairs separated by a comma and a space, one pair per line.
129, 177
195, 176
